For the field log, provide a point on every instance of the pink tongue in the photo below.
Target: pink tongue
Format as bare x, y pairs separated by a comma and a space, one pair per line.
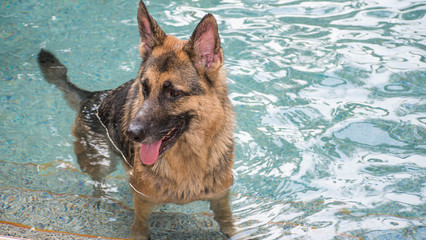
149, 152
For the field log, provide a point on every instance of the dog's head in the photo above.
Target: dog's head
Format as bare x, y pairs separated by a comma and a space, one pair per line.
181, 88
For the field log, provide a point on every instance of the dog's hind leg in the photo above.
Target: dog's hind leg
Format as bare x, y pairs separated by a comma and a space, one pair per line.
223, 215
94, 153
56, 73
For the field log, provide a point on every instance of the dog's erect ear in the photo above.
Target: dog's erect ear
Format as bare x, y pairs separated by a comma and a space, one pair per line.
204, 46
151, 34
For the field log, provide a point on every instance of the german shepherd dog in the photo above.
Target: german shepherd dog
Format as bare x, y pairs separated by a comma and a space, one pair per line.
172, 124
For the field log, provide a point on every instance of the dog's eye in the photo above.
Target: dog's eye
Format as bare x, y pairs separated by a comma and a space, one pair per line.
171, 92
175, 93
145, 88
144, 92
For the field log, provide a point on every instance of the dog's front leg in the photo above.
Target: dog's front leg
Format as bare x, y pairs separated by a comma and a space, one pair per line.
222, 214
143, 209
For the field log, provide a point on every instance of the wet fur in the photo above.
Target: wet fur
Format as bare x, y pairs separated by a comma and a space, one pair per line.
199, 165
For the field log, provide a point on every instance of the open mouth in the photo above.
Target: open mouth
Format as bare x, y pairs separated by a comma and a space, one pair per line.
149, 153
171, 137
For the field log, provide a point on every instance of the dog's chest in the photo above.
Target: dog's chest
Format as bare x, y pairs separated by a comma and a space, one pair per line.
180, 186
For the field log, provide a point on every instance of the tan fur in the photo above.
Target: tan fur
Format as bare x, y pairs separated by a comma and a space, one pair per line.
199, 165
187, 182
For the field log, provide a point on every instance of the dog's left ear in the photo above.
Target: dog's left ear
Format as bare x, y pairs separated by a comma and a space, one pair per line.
204, 46
150, 33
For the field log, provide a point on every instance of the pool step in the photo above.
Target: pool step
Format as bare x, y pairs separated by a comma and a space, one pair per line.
11, 231
58, 214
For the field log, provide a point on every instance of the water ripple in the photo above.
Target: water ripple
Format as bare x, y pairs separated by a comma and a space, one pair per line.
329, 95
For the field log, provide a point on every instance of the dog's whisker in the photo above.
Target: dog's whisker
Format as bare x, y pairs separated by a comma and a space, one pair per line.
166, 130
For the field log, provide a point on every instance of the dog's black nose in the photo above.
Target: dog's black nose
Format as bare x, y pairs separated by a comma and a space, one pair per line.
136, 132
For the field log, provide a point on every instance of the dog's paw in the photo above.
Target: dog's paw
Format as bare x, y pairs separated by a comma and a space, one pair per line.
139, 237
139, 233
229, 231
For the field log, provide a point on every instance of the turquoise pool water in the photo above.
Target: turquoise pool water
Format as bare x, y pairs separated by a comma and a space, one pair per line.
330, 103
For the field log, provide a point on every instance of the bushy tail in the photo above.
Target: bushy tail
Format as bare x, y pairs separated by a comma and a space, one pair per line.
56, 73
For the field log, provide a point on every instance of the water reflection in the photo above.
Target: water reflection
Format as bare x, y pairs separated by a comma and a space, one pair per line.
330, 102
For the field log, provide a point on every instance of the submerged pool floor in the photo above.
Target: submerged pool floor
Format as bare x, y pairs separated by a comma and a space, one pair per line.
67, 213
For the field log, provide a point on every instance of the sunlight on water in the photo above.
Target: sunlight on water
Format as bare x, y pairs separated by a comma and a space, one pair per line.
330, 102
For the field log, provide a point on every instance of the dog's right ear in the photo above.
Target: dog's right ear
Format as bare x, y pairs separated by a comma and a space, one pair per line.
151, 34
